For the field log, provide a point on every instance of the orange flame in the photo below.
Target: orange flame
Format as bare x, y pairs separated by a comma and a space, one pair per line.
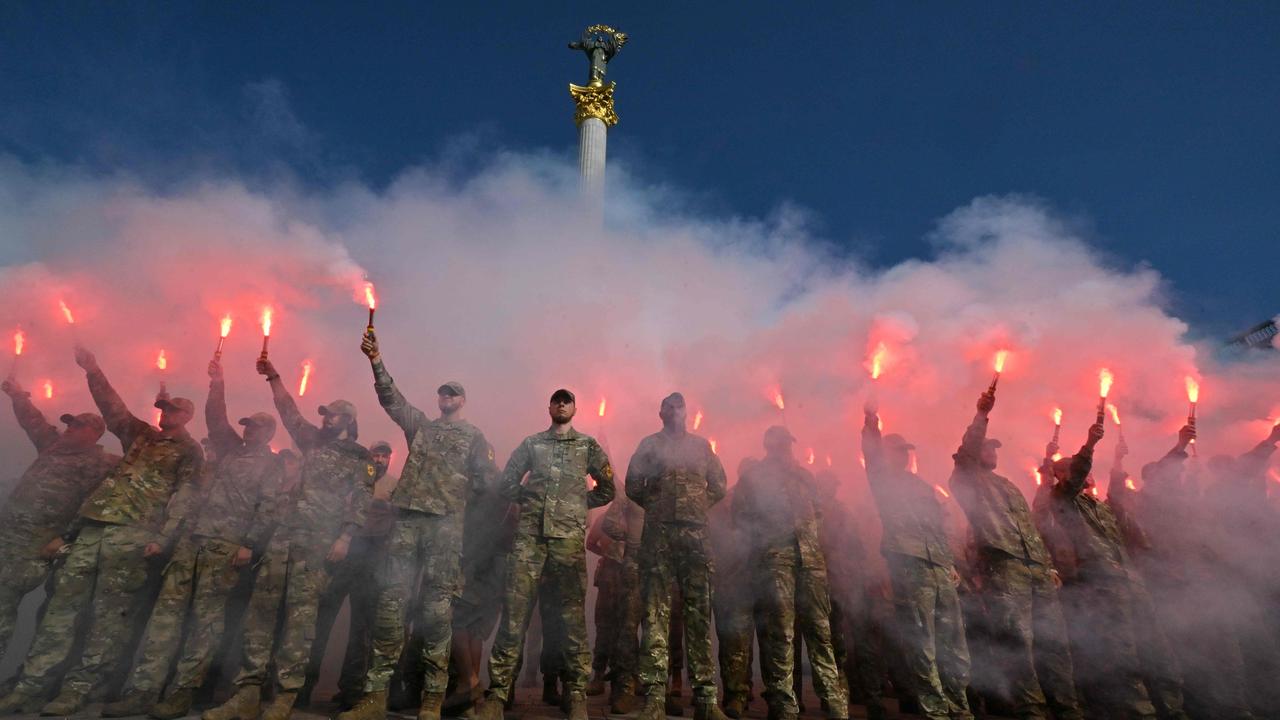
156, 417
1001, 356
1056, 457
811, 456
266, 321
370, 299
713, 446
1128, 483
876, 363
66, 312
1094, 491
603, 403
1193, 389
162, 362
225, 328
19, 340
942, 491
1035, 473
48, 389
777, 400
306, 376
1115, 413
915, 464
1057, 416
697, 420
1105, 380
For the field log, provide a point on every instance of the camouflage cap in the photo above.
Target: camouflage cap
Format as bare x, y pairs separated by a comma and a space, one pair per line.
259, 419
896, 440
453, 387
339, 407
778, 432
178, 404
92, 420
381, 446
563, 394
675, 399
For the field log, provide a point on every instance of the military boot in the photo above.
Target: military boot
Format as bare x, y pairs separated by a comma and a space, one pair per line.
430, 707
708, 711
674, 706
134, 702
596, 685
281, 707
575, 706
19, 703
654, 708
551, 690
622, 698
242, 706
176, 705
489, 709
373, 706
735, 707
67, 703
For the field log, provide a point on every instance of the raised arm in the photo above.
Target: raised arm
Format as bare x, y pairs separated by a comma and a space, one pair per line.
1081, 463
970, 453
1254, 462
223, 436
600, 470
122, 423
872, 449
30, 419
305, 434
408, 417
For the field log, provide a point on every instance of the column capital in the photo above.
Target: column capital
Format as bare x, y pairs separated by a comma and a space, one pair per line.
593, 101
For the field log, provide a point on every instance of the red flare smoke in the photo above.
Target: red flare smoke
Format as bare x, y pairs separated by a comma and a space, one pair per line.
697, 420
19, 341
66, 312
306, 376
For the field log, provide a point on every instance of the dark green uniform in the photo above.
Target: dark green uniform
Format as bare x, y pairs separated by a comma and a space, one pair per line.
1021, 597
676, 478
549, 547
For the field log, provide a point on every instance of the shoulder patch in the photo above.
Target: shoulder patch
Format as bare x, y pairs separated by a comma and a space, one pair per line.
371, 470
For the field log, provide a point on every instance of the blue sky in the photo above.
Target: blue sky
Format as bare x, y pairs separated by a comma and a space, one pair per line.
1154, 123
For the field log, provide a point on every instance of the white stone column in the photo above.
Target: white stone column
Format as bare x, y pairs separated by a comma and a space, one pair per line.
592, 141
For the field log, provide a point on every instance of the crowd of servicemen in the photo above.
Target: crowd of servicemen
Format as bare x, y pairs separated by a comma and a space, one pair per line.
1158, 602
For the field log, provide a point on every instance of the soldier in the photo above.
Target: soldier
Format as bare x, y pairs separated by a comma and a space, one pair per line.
235, 518
1017, 576
922, 572
69, 465
733, 600
449, 461
123, 523
328, 506
776, 504
354, 579
549, 547
676, 478
617, 613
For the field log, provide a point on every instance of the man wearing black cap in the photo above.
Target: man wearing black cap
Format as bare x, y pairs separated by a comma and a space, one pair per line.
328, 506
449, 461
777, 500
236, 514
69, 465
922, 572
121, 524
1018, 579
549, 549
676, 478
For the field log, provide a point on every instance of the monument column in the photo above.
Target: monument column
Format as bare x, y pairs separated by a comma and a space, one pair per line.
594, 113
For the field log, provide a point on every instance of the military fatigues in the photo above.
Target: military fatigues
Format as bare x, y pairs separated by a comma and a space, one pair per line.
1022, 601
447, 463
105, 570
331, 499
549, 546
915, 547
617, 612
237, 509
1101, 596
775, 502
40, 507
733, 600
676, 478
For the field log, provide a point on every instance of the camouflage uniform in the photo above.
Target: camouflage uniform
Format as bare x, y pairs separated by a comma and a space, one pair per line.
105, 570
549, 546
448, 462
775, 499
921, 566
331, 500
615, 538
1022, 600
1101, 596
41, 506
237, 509
733, 600
676, 478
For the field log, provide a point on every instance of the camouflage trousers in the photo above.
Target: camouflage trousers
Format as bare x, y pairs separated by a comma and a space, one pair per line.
195, 583
352, 581
21, 571
430, 547
559, 565
103, 574
931, 634
1107, 670
608, 614
676, 558
786, 590
1031, 642
288, 585
736, 634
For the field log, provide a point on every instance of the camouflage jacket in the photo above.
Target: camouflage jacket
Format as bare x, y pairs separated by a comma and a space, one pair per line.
1097, 542
775, 504
617, 531
447, 462
336, 486
910, 513
240, 503
675, 478
554, 499
49, 493
997, 511
155, 467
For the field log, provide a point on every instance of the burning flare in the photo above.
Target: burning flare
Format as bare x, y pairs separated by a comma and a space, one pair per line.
162, 362
915, 464
370, 300
713, 446
306, 376
811, 457
266, 321
225, 327
19, 341
1128, 483
1035, 473
942, 491
777, 400
604, 402
876, 364
1001, 356
1115, 413
48, 389
1193, 390
697, 420
1057, 416
66, 312
1105, 380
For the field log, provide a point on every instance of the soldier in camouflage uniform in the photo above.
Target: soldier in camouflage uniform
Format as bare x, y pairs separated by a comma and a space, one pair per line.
733, 600
449, 460
775, 503
549, 547
237, 512
676, 478
314, 534
1017, 576
124, 522
69, 465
